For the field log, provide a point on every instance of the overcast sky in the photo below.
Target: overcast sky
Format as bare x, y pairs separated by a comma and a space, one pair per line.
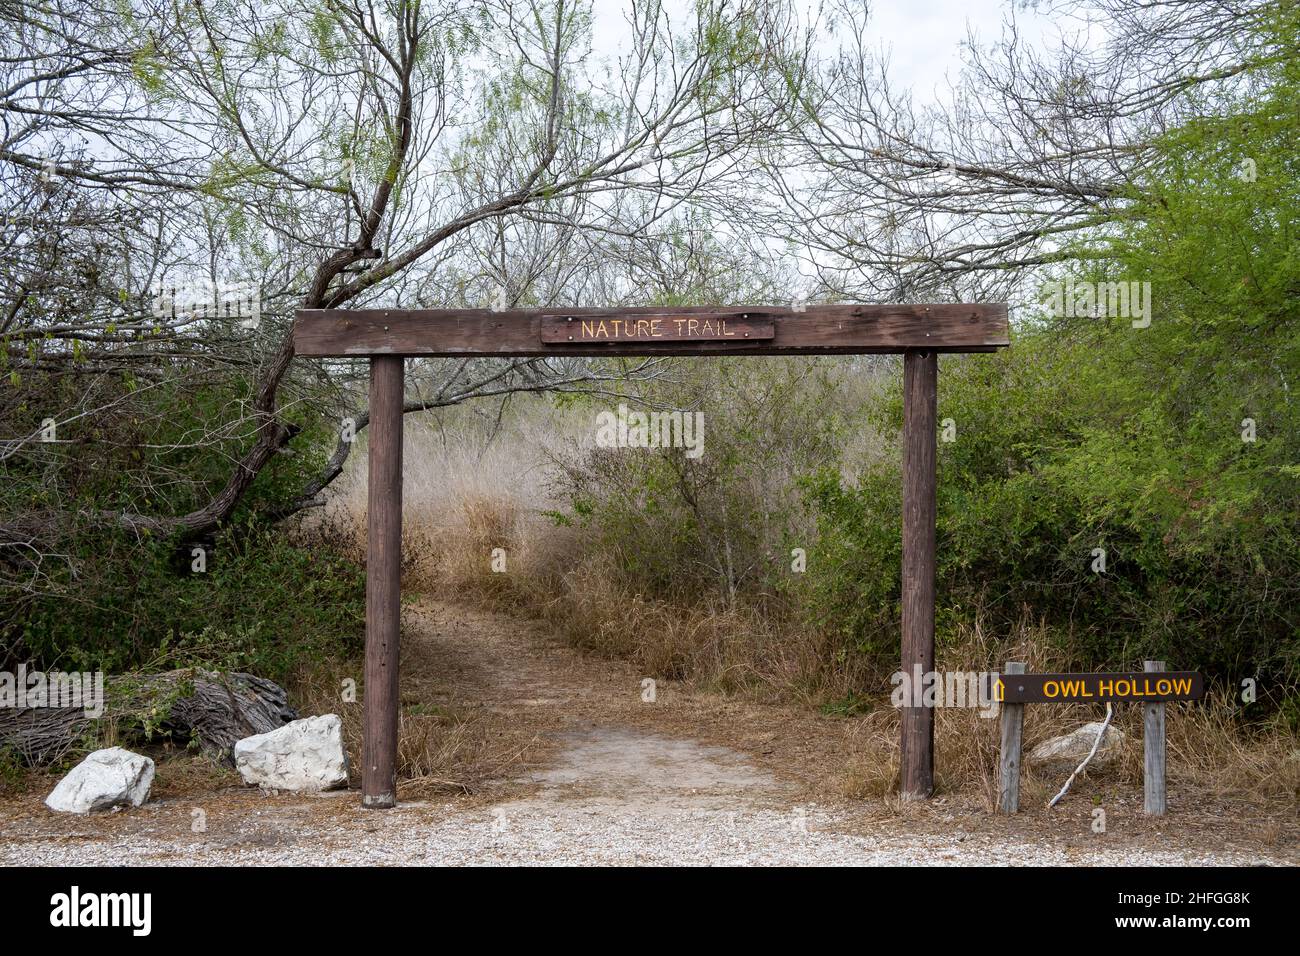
922, 37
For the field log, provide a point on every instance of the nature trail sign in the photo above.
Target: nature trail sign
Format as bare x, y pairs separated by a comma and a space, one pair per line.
666, 327
773, 330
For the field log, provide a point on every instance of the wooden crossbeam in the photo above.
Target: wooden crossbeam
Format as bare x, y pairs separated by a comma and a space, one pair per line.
745, 330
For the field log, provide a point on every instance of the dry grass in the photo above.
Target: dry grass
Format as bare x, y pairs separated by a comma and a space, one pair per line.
439, 749
1208, 749
873, 773
462, 499
732, 651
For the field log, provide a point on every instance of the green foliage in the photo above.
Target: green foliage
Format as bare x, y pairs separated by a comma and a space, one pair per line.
719, 525
1093, 433
851, 705
854, 577
264, 605
119, 600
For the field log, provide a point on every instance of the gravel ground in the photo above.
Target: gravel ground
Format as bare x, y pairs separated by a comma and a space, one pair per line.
594, 833
610, 796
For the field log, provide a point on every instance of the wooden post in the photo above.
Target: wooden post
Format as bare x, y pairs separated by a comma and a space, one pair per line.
383, 584
1153, 745
1013, 724
920, 391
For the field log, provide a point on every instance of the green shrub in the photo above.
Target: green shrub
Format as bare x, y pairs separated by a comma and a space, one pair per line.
718, 527
264, 605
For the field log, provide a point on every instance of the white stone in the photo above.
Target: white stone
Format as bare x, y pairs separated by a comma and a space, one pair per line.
107, 778
1073, 747
303, 755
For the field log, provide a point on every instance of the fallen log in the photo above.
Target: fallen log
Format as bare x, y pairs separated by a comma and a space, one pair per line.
209, 708
42, 735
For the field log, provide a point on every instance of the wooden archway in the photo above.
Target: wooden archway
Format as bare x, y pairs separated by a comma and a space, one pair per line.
388, 336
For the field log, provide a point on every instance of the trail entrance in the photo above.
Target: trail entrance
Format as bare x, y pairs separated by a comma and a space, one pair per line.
389, 336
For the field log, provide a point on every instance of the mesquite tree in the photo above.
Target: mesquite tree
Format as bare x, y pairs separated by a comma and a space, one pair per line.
1034, 148
179, 176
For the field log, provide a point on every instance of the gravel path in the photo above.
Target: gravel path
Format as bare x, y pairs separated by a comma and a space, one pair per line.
592, 833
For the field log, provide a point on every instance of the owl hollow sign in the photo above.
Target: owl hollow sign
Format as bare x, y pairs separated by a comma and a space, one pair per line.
1094, 688
1151, 687
648, 329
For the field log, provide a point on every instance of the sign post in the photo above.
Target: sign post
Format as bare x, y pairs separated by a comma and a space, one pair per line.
1153, 750
1013, 723
383, 584
919, 332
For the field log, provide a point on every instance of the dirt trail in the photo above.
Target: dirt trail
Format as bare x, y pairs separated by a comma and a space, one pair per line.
584, 723
567, 760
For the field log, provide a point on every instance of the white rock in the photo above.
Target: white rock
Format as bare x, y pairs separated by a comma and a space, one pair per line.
107, 778
302, 755
1073, 747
